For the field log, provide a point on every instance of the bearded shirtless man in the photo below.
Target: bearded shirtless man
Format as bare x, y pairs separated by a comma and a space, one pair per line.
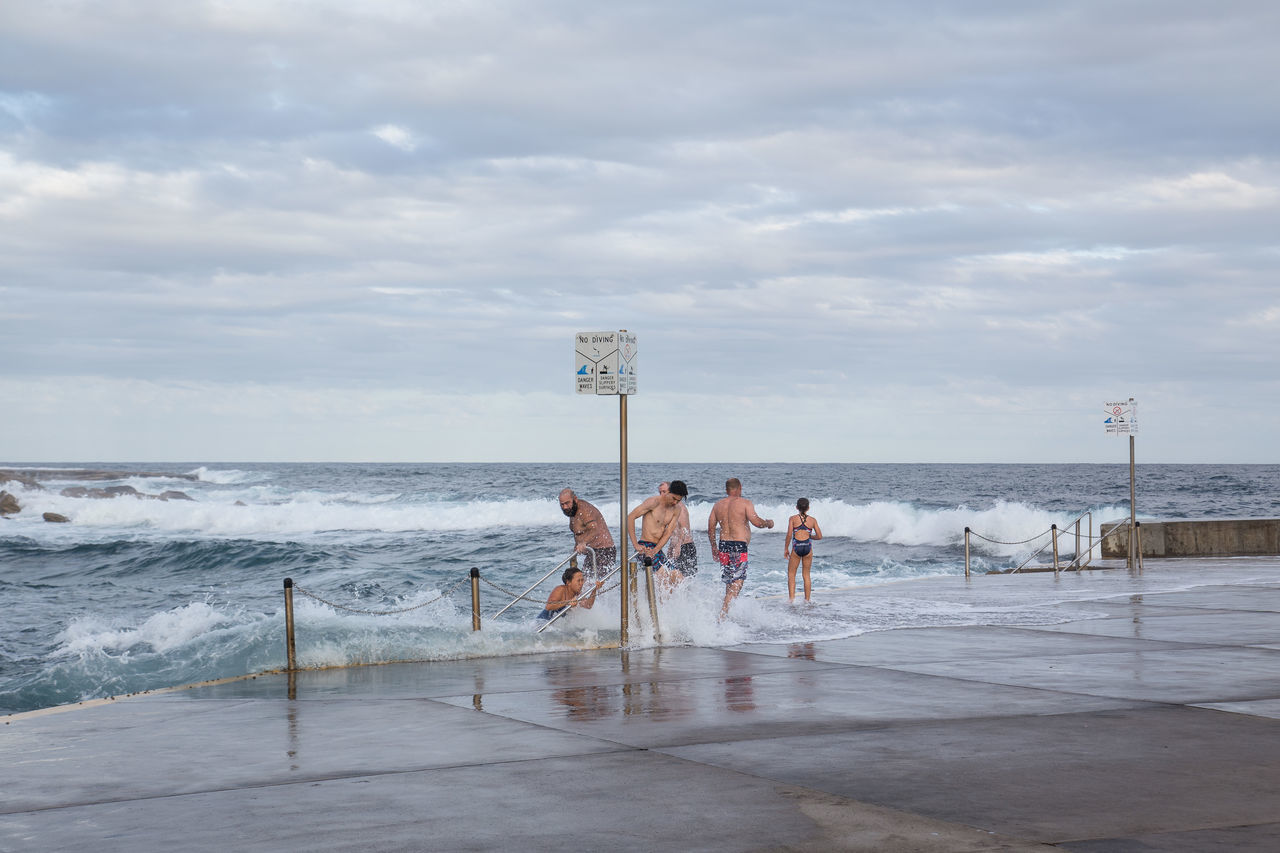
589, 532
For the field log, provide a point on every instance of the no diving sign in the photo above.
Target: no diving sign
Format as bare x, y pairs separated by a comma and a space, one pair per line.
605, 362
1121, 417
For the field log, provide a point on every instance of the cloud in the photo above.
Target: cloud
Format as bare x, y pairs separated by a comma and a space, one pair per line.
907, 211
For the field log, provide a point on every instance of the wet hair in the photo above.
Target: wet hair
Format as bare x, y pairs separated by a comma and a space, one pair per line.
678, 487
803, 505
732, 483
568, 575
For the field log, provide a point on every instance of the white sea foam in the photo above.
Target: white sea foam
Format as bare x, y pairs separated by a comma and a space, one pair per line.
269, 513
162, 632
226, 476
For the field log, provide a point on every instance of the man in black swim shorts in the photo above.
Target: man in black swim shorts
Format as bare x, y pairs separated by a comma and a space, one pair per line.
591, 536
681, 552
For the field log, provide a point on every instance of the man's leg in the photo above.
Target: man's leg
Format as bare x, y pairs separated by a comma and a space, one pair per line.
730, 593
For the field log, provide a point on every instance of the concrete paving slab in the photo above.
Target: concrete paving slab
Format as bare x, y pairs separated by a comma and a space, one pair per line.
1242, 627
918, 645
497, 675
1258, 708
639, 801
1236, 839
1186, 676
765, 706
141, 748
1255, 597
1049, 779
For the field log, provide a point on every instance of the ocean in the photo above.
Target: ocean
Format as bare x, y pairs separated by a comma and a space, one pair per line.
138, 593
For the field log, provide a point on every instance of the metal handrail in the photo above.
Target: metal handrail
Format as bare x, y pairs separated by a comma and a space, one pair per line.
569, 606
1078, 560
1053, 540
540, 580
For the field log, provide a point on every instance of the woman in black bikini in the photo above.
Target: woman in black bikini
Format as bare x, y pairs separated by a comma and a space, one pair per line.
797, 547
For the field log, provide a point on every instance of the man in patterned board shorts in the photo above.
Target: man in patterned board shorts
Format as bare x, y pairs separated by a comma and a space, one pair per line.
734, 515
658, 516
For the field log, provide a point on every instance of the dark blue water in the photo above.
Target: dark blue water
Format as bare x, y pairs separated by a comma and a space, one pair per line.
137, 593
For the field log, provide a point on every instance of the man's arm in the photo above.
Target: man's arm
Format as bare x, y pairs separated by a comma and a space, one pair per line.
711, 525
631, 521
670, 529
755, 519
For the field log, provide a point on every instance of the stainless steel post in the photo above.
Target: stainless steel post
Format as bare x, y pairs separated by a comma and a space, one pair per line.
475, 599
1133, 506
623, 539
966, 552
288, 625
653, 599
1054, 529
1079, 557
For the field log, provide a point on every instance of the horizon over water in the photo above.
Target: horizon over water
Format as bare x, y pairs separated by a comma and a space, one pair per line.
138, 594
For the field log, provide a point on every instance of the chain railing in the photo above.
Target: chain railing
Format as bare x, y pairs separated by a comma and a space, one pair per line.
1081, 558
474, 576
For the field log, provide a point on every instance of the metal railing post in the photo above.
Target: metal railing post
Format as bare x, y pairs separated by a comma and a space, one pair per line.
628, 572
1090, 538
290, 650
1053, 528
475, 599
1078, 555
966, 552
653, 599
1137, 530
633, 585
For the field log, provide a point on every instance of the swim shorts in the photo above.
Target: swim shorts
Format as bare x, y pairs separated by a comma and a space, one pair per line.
687, 562
605, 557
732, 554
660, 560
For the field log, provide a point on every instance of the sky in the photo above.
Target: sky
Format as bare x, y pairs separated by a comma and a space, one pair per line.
841, 231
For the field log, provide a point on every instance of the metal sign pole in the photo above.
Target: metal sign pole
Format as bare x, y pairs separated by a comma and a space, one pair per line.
622, 512
604, 364
1133, 509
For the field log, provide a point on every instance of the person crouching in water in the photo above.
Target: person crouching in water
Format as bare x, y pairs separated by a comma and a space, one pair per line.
797, 547
566, 595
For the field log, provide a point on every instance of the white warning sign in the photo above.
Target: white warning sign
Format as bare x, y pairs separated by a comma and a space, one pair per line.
604, 362
1120, 417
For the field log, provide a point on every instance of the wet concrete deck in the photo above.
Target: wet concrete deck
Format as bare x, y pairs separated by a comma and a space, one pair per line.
1155, 727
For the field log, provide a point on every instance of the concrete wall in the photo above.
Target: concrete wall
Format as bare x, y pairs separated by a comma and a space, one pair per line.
1218, 537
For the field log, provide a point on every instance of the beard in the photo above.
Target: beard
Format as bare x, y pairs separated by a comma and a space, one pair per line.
571, 511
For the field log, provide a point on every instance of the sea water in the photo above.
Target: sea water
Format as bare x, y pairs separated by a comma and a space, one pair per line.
137, 593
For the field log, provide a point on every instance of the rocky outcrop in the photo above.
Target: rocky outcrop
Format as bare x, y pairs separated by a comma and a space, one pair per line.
108, 492
27, 478
55, 518
21, 477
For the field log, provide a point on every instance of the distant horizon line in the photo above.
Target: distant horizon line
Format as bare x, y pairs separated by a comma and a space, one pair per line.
134, 462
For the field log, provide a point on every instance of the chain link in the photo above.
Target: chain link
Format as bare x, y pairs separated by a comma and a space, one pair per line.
515, 596
1021, 542
337, 606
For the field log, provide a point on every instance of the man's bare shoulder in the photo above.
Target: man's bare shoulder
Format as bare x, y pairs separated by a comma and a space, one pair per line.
647, 504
